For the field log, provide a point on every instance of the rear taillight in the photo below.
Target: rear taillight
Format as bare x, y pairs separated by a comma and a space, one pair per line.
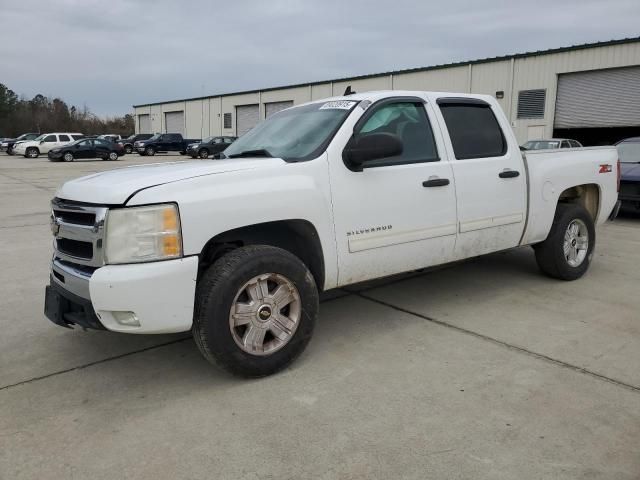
618, 174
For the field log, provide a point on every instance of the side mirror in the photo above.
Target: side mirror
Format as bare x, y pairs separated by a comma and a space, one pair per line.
41, 142
364, 148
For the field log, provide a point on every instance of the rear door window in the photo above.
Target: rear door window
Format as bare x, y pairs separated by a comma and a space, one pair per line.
64, 138
473, 129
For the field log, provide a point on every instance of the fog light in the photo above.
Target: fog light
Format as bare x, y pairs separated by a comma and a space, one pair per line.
126, 318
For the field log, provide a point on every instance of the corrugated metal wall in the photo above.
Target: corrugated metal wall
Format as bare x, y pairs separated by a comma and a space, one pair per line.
506, 75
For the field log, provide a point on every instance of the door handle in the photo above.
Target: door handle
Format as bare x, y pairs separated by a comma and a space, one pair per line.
509, 174
435, 182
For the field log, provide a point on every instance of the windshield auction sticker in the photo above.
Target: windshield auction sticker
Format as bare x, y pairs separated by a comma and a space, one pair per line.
340, 104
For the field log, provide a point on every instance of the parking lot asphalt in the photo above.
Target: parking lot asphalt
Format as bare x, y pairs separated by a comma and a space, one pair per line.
484, 369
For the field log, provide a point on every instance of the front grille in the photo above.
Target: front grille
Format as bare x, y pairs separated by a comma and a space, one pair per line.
78, 229
75, 248
80, 218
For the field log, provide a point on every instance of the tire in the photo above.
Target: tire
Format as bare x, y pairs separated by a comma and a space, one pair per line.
227, 284
128, 149
32, 152
203, 153
68, 157
149, 151
560, 255
113, 156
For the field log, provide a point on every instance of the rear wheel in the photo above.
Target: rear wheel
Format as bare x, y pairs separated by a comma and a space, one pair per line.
203, 153
68, 157
32, 152
149, 151
255, 310
113, 156
567, 252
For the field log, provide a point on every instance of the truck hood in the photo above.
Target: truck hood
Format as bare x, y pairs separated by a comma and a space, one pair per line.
116, 186
630, 172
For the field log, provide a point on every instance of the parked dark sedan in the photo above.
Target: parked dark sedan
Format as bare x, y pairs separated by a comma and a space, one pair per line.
87, 148
629, 154
209, 146
8, 143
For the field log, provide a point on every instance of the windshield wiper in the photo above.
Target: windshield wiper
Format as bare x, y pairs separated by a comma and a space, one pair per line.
251, 153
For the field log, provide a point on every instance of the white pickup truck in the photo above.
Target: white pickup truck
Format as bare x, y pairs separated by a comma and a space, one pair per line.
317, 196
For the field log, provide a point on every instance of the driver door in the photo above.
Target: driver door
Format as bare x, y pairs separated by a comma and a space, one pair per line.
398, 213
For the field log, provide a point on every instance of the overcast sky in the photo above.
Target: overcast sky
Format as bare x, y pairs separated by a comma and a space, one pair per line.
112, 54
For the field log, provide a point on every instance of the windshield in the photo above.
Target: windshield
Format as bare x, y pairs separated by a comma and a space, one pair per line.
294, 134
23, 136
40, 137
629, 152
207, 140
155, 137
541, 145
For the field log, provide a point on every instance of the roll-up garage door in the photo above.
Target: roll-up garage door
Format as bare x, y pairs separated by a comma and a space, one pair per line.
247, 117
275, 107
601, 98
144, 123
174, 122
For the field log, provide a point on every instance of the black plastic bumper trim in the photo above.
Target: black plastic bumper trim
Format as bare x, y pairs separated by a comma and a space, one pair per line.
66, 309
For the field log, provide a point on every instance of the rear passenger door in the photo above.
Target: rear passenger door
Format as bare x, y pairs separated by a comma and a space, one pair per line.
102, 148
489, 176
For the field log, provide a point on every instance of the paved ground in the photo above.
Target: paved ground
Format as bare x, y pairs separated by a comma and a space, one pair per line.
483, 370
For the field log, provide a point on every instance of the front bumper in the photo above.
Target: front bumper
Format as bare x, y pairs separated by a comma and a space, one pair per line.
55, 155
159, 294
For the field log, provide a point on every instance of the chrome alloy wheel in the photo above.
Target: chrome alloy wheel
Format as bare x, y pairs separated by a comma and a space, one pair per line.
68, 157
576, 243
265, 314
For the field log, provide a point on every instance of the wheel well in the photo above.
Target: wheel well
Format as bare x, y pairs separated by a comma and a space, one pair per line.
586, 195
296, 236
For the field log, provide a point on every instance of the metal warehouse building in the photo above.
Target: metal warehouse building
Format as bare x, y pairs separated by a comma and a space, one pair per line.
588, 92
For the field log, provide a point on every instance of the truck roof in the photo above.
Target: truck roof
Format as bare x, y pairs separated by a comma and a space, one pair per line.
380, 94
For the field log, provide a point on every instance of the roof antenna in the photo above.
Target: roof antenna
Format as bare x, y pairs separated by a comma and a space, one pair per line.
348, 91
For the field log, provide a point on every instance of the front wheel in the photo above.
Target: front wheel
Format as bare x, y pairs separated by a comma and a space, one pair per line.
567, 252
149, 151
255, 310
128, 149
32, 152
203, 153
68, 157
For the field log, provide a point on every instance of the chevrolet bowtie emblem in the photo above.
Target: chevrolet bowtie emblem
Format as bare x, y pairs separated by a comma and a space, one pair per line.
55, 226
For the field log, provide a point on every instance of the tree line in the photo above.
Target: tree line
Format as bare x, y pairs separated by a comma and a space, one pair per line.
42, 114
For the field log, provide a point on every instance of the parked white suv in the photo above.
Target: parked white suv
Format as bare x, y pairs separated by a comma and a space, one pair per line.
44, 143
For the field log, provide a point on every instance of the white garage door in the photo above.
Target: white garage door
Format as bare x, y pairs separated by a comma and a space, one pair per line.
602, 98
275, 107
174, 122
247, 117
144, 124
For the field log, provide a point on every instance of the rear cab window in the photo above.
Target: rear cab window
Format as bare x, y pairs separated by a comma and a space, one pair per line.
473, 128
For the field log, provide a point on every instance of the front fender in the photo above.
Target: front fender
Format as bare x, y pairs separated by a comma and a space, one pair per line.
214, 204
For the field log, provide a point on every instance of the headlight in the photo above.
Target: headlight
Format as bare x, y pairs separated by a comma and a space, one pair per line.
143, 234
